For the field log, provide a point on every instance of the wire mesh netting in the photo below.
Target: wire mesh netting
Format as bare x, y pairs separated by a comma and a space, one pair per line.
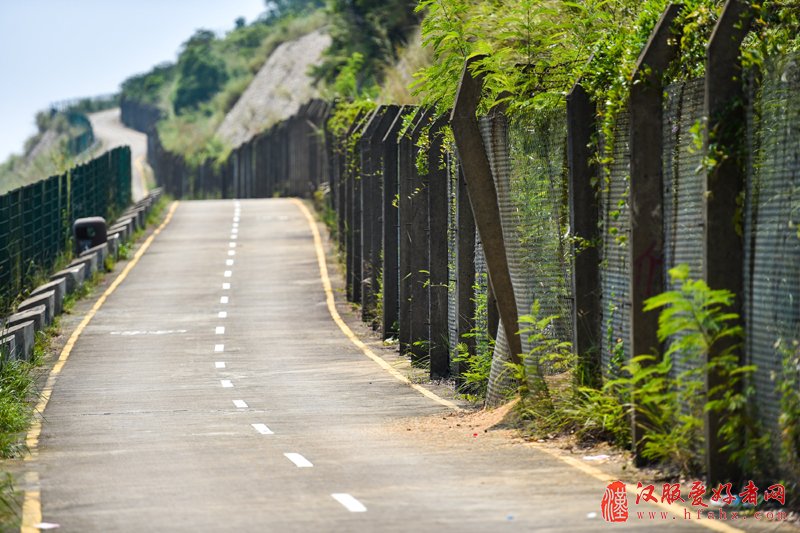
682, 160
528, 163
539, 196
494, 130
771, 222
614, 271
452, 251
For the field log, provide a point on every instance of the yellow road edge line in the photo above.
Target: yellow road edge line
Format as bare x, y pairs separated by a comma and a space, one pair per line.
326, 285
575, 463
32, 504
677, 510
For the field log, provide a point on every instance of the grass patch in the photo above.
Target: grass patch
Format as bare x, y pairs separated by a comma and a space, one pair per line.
10, 508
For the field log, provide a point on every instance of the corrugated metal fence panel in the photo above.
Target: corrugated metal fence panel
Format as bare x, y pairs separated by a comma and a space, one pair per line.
614, 271
683, 184
772, 219
538, 191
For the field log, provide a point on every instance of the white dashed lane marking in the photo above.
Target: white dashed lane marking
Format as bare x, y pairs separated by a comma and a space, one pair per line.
223, 300
229, 262
349, 502
228, 273
220, 330
262, 428
226, 286
219, 364
226, 383
232, 245
298, 460
240, 404
222, 314
231, 252
219, 347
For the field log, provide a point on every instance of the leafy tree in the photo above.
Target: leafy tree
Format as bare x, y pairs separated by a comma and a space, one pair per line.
201, 72
277, 9
146, 87
371, 28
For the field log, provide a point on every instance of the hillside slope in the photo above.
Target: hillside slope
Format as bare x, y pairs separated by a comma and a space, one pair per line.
281, 86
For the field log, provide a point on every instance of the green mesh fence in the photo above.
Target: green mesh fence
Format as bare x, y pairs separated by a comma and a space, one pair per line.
36, 220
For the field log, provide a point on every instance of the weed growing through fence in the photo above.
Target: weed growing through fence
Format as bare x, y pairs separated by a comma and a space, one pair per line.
670, 404
698, 322
378, 318
478, 364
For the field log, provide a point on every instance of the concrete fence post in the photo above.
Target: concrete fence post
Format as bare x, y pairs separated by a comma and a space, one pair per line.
723, 255
584, 212
465, 270
438, 285
391, 244
483, 199
646, 245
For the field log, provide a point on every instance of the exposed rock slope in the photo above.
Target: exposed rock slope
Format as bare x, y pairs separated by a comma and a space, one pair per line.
278, 90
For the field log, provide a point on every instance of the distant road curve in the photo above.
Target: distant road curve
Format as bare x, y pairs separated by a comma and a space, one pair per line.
110, 132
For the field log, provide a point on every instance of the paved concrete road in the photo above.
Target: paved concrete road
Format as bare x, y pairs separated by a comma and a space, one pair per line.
110, 131
213, 392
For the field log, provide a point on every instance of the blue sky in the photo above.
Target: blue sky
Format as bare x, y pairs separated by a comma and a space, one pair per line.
53, 50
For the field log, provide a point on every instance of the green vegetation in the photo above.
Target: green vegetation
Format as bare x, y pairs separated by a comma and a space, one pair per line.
10, 509
669, 400
369, 32
18, 398
210, 75
789, 421
63, 135
478, 364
